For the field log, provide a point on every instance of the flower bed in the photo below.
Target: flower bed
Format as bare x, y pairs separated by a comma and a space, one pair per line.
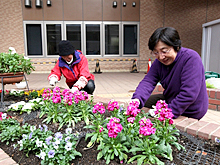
112, 132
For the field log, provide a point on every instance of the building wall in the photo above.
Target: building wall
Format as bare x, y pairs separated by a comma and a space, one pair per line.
11, 26
186, 16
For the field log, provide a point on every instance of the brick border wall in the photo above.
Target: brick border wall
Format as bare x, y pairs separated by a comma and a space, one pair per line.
214, 97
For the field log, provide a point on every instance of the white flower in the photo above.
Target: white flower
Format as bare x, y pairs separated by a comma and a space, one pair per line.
28, 106
13, 91
4, 115
42, 155
32, 128
24, 136
20, 142
39, 143
68, 130
68, 146
152, 112
13, 51
45, 146
56, 144
14, 146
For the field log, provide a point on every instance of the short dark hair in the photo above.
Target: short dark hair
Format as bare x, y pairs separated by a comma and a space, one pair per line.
167, 35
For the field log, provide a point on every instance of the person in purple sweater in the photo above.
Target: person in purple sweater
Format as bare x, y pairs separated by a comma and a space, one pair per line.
180, 72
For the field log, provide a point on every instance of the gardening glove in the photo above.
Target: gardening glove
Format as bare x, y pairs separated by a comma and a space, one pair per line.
74, 89
53, 81
81, 83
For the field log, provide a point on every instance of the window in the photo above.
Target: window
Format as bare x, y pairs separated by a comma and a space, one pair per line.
33, 38
53, 32
130, 39
92, 39
73, 34
111, 39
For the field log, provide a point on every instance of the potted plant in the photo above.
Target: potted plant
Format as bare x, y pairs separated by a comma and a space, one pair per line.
13, 64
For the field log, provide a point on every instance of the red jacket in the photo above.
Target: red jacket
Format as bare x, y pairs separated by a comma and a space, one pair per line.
72, 74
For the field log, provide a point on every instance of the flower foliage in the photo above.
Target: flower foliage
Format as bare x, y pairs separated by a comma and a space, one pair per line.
13, 62
66, 108
130, 130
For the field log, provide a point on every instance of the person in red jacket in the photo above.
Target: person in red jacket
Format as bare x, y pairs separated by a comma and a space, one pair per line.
74, 67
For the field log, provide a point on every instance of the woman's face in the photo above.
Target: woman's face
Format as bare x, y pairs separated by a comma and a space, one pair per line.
67, 58
164, 53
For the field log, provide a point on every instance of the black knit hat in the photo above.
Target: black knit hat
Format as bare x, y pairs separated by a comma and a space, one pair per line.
65, 48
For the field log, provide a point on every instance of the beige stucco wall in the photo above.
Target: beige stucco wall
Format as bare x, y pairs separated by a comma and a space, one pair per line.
11, 26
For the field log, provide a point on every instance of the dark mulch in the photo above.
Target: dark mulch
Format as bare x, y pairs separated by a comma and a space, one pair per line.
88, 155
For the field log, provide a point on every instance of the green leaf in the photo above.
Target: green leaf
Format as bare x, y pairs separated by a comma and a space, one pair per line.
99, 156
115, 152
141, 160
94, 137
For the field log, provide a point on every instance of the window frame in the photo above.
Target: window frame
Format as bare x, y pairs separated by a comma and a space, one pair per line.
120, 39
25, 38
138, 37
84, 37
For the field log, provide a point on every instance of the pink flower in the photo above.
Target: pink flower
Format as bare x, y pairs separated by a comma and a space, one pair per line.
131, 119
112, 105
56, 99
101, 129
99, 107
171, 121
114, 127
134, 103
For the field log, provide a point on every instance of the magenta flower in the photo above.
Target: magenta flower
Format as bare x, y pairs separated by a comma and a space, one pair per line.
112, 105
146, 127
46, 94
134, 103
56, 99
131, 119
114, 127
163, 111
101, 129
99, 107
145, 122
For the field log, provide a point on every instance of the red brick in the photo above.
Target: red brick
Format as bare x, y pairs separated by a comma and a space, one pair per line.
212, 94
218, 95
216, 134
193, 129
179, 119
211, 106
185, 123
207, 130
208, 92
213, 101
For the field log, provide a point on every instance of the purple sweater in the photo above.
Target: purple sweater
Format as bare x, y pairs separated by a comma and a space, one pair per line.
183, 82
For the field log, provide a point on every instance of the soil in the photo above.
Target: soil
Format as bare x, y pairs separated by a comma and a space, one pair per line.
89, 156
